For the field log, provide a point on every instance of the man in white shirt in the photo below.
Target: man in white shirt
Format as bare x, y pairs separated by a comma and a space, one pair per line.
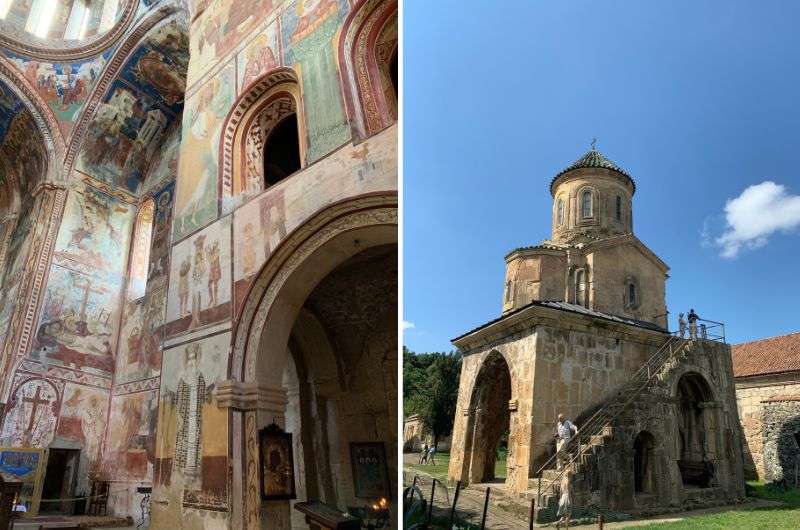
565, 429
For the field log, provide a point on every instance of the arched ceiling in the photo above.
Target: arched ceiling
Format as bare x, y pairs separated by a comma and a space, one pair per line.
24, 157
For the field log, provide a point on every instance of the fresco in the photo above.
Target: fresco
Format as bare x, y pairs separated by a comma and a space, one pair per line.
20, 136
310, 29
141, 104
199, 286
139, 351
130, 447
159, 252
260, 56
261, 224
192, 449
219, 29
32, 412
165, 165
94, 234
196, 201
83, 418
65, 87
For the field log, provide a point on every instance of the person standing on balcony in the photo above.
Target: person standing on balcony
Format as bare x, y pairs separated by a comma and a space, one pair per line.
693, 318
565, 429
681, 326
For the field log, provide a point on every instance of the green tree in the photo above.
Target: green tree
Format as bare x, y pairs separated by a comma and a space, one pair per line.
430, 389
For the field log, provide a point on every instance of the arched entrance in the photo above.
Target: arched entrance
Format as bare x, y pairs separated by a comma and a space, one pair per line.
490, 398
644, 477
695, 428
315, 352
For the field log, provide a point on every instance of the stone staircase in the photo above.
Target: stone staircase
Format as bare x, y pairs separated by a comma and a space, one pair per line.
580, 453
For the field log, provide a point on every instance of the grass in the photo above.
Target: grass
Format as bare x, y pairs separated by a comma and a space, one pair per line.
773, 518
439, 470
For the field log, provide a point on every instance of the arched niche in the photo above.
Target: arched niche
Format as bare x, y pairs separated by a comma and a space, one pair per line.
697, 429
368, 64
644, 463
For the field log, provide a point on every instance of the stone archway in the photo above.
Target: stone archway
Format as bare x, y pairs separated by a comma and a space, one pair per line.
302, 278
696, 427
492, 418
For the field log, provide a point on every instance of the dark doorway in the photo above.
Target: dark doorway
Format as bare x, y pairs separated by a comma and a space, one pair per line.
282, 151
59, 480
694, 396
643, 476
490, 399
393, 74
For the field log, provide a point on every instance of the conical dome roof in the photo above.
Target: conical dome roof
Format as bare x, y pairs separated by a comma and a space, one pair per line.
593, 159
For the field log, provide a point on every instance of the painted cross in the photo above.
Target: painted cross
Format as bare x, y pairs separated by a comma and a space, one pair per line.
35, 401
87, 288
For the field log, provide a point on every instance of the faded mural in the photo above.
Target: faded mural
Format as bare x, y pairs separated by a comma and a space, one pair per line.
130, 447
141, 104
83, 418
259, 56
196, 203
199, 284
192, 448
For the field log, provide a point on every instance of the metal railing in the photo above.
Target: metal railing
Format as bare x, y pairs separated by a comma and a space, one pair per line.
703, 329
608, 412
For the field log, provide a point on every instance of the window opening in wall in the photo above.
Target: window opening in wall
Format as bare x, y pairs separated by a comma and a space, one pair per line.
282, 151
580, 287
40, 17
560, 212
5, 5
586, 204
393, 74
619, 208
631, 294
797, 439
140, 251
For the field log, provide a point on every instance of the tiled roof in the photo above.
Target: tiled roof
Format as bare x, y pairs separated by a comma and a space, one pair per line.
767, 356
571, 308
594, 159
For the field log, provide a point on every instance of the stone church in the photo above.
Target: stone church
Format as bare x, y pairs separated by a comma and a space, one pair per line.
583, 332
198, 255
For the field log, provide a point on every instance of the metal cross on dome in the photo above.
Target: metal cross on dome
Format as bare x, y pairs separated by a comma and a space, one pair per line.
594, 144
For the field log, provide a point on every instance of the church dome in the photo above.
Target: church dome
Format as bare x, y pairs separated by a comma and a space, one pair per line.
592, 159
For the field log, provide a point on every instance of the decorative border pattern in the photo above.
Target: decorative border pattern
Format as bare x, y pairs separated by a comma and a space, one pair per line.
66, 374
137, 386
110, 73
54, 50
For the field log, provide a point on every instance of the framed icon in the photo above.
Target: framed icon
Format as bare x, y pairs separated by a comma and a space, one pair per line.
370, 472
276, 463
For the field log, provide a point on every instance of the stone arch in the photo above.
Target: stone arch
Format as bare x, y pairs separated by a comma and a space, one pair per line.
267, 100
264, 324
489, 401
644, 463
697, 427
594, 205
367, 45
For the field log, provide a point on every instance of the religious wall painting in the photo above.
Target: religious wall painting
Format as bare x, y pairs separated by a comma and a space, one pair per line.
196, 200
83, 418
370, 470
276, 462
139, 351
22, 142
95, 234
65, 87
78, 323
158, 66
261, 55
200, 286
261, 224
32, 412
159, 252
124, 137
192, 448
310, 29
130, 447
220, 28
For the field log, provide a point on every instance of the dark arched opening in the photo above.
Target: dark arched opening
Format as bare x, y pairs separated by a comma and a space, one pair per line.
394, 74
282, 151
693, 399
643, 462
490, 399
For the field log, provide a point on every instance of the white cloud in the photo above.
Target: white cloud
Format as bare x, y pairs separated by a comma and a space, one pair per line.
408, 325
760, 211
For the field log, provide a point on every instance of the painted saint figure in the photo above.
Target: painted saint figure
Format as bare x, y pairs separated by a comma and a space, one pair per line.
183, 285
198, 275
214, 273
190, 397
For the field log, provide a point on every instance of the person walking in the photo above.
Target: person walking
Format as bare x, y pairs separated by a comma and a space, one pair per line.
565, 429
432, 455
564, 513
423, 456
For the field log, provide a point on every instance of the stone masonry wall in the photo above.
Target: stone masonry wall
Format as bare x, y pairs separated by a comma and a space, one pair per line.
750, 395
781, 438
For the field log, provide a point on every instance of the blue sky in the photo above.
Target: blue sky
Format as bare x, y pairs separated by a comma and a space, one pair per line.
698, 100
